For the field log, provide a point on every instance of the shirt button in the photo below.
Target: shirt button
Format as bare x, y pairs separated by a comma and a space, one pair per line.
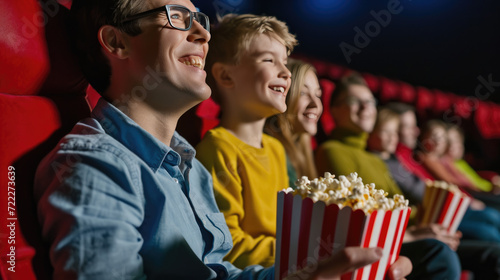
170, 157
175, 180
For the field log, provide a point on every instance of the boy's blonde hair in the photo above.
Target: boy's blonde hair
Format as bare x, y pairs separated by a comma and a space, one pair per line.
233, 35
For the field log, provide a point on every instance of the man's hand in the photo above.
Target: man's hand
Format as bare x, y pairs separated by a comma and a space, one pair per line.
433, 231
349, 259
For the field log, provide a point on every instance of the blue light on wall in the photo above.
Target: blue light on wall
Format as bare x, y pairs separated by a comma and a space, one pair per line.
223, 7
325, 10
326, 6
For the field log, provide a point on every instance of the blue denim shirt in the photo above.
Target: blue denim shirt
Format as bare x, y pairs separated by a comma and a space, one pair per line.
116, 203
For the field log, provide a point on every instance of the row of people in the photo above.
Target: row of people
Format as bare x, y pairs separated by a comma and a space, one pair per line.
353, 108
249, 167
441, 147
123, 196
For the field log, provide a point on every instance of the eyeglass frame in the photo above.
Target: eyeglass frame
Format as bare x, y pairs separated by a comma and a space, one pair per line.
352, 100
166, 9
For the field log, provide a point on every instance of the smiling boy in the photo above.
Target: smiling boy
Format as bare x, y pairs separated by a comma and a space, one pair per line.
250, 80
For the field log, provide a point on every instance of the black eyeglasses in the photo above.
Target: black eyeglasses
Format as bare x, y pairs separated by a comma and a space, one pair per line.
179, 17
354, 101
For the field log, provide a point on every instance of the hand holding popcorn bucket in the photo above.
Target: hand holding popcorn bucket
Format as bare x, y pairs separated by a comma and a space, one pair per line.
325, 215
443, 204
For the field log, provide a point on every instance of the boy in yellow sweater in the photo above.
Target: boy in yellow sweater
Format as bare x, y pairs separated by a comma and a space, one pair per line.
247, 72
250, 80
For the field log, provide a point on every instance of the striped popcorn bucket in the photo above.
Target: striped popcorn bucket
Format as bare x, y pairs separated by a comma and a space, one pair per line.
444, 207
308, 232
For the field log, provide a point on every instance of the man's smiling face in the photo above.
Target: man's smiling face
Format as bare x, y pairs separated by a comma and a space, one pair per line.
178, 57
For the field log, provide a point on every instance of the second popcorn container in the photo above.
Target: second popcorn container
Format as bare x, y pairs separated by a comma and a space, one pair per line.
323, 216
443, 204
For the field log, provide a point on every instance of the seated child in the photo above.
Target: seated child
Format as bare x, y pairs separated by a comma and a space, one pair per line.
383, 142
250, 80
299, 123
432, 153
408, 139
455, 153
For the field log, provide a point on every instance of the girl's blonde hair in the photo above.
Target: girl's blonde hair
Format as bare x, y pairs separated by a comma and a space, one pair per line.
297, 145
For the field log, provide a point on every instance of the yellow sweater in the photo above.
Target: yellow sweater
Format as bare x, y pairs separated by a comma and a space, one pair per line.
246, 181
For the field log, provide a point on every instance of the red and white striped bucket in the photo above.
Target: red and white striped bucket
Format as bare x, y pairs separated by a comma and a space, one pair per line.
444, 207
308, 232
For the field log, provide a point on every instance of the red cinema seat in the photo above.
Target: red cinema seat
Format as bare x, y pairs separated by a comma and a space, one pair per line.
482, 119
321, 67
208, 111
442, 102
465, 106
424, 100
372, 81
92, 97
336, 72
198, 120
407, 93
495, 120
326, 122
41, 98
389, 90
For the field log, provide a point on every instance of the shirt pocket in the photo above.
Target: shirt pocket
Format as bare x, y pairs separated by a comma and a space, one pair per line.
222, 237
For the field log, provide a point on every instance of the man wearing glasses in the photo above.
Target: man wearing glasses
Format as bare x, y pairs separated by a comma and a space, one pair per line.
122, 196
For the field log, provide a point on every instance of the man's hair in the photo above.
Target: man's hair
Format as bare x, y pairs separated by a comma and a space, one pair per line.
233, 35
342, 86
87, 17
385, 115
399, 108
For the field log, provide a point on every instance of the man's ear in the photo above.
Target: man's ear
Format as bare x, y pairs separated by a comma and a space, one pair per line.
113, 41
221, 75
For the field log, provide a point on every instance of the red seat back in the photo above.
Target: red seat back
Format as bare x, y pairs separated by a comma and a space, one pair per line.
37, 107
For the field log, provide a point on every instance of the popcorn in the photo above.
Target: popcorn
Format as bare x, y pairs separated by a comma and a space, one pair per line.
348, 191
320, 217
443, 185
443, 204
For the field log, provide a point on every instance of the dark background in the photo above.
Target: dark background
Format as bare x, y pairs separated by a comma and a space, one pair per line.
438, 44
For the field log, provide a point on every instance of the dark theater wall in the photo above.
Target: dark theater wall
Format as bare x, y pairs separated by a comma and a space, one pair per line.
448, 45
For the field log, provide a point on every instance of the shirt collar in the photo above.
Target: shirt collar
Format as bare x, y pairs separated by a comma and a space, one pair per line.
152, 151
